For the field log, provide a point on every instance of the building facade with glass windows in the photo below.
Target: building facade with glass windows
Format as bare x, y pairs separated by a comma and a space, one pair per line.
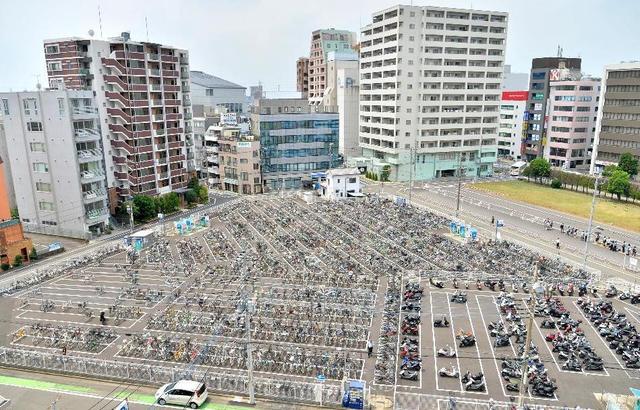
296, 140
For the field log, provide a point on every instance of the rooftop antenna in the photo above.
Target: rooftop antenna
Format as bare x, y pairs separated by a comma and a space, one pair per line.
559, 51
38, 85
100, 19
146, 25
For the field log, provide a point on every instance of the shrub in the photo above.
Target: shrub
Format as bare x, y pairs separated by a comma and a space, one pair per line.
33, 255
5, 266
17, 261
556, 184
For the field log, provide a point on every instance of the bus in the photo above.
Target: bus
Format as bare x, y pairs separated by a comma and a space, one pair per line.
517, 168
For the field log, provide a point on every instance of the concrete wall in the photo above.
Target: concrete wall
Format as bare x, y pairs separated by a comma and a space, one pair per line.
220, 96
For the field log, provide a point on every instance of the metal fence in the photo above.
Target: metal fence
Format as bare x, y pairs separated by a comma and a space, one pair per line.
139, 373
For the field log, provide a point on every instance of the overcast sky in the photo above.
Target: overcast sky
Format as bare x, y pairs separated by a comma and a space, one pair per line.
247, 41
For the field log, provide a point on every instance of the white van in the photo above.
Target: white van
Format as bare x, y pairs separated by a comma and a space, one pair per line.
517, 168
184, 393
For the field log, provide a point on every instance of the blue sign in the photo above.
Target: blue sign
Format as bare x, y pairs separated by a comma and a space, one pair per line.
320, 378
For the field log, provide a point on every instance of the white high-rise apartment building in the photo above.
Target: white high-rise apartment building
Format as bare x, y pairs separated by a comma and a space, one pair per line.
57, 161
430, 90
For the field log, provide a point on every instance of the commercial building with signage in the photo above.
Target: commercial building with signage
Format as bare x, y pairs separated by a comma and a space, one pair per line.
542, 69
296, 140
512, 105
239, 159
618, 124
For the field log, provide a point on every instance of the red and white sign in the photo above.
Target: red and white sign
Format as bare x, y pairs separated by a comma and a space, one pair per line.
515, 95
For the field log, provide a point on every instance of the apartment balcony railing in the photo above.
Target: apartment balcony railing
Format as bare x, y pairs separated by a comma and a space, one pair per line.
153, 57
89, 176
94, 195
83, 111
96, 213
87, 134
89, 155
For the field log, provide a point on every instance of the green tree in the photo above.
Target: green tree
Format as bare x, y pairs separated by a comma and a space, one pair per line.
144, 207
33, 255
608, 170
384, 175
618, 183
5, 266
203, 195
171, 202
191, 196
540, 168
17, 261
14, 213
556, 184
628, 163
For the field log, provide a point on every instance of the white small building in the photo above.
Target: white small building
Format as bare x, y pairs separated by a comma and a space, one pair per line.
341, 183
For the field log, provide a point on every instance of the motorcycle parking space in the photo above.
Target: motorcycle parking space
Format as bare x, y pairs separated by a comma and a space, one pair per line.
443, 336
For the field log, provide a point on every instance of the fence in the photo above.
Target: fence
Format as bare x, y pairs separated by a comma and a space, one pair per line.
139, 373
56, 231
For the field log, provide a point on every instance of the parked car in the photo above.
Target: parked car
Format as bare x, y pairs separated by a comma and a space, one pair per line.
184, 393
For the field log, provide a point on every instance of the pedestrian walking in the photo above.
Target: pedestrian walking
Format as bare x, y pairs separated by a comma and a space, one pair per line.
562, 227
369, 348
493, 219
557, 243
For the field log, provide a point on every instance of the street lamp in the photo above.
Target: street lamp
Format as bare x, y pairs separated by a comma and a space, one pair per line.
593, 207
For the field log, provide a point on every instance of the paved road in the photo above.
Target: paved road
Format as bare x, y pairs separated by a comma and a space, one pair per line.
36, 391
523, 223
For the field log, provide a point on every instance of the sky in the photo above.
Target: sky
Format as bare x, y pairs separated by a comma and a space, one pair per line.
252, 41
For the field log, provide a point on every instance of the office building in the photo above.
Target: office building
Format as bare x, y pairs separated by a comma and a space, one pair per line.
430, 80
322, 42
342, 94
239, 161
296, 140
512, 106
571, 119
302, 76
210, 91
543, 70
57, 161
142, 94
618, 122
12, 239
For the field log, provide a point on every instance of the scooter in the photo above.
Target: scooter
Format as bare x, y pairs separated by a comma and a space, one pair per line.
467, 341
446, 351
441, 322
408, 375
475, 385
459, 297
452, 372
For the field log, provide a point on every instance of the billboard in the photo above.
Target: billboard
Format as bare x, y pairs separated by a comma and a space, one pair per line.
228, 118
515, 95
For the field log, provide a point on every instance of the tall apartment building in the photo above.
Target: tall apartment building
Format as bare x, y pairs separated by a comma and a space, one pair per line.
212, 151
239, 159
512, 105
571, 119
342, 94
322, 42
143, 99
430, 90
302, 76
618, 123
57, 161
543, 70
296, 140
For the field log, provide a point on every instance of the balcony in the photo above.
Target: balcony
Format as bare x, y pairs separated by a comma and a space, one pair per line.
94, 195
116, 112
120, 129
91, 176
153, 57
153, 72
158, 117
89, 155
156, 103
161, 161
213, 170
161, 147
95, 214
86, 134
159, 132
163, 175
186, 102
82, 112
155, 87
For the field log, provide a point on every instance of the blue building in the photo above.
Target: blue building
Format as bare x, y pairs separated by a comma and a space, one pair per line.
296, 140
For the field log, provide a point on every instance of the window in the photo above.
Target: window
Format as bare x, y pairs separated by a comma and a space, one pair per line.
34, 126
30, 104
37, 147
54, 49
25, 105
43, 187
352, 180
209, 92
5, 106
538, 76
40, 167
61, 106
54, 66
45, 206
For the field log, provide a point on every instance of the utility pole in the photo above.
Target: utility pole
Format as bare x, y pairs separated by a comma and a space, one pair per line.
411, 174
593, 207
459, 184
330, 155
525, 362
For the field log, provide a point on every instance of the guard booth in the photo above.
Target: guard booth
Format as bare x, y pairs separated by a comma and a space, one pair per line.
140, 239
353, 396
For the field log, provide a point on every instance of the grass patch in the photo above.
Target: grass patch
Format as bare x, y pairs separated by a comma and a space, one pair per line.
621, 214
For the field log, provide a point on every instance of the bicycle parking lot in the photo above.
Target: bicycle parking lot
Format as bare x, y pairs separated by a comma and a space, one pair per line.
308, 285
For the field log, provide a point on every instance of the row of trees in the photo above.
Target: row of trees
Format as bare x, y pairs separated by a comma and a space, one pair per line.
616, 178
384, 174
146, 208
